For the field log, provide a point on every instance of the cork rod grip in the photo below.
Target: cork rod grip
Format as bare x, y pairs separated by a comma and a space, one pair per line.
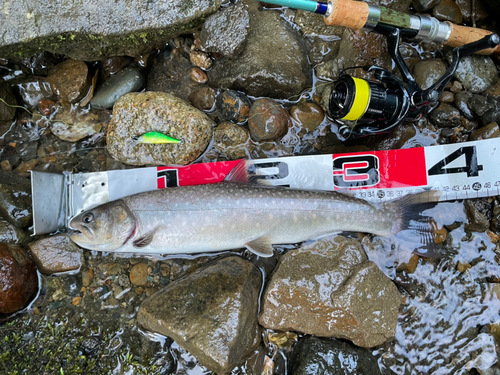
348, 13
461, 35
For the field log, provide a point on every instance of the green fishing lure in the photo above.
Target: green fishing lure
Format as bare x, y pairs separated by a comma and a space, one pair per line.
156, 138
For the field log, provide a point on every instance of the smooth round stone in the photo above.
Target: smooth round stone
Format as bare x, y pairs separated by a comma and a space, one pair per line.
18, 278
477, 73
200, 59
198, 75
268, 120
119, 84
488, 131
448, 10
308, 115
233, 106
70, 80
203, 98
445, 116
447, 97
427, 72
135, 114
56, 254
139, 274
232, 140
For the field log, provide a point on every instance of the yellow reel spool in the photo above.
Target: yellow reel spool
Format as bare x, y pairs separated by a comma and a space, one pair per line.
361, 100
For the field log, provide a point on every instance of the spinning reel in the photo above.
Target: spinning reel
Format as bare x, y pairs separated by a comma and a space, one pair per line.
374, 107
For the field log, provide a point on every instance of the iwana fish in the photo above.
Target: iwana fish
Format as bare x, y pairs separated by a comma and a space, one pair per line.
231, 215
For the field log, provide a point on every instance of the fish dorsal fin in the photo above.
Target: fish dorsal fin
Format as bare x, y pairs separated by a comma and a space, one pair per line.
261, 246
240, 174
145, 239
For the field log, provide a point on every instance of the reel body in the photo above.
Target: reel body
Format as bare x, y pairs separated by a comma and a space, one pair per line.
366, 107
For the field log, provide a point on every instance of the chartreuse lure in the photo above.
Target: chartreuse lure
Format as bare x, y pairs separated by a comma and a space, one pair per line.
156, 138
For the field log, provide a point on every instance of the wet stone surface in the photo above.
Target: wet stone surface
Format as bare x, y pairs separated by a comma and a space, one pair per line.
268, 120
233, 106
70, 80
56, 254
232, 140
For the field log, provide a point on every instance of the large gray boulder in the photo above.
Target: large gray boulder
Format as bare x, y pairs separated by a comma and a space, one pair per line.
95, 30
212, 313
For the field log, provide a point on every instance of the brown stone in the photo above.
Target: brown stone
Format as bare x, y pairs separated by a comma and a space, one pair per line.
268, 120
6, 165
488, 131
56, 254
18, 278
139, 274
198, 75
200, 59
76, 300
70, 80
462, 267
203, 98
27, 166
87, 277
308, 115
493, 236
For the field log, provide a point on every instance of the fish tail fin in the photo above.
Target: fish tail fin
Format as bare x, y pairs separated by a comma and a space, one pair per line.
411, 222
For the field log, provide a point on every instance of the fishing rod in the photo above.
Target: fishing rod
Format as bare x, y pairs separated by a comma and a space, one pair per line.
366, 107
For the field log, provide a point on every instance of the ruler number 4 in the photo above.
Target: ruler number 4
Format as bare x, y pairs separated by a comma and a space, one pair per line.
471, 167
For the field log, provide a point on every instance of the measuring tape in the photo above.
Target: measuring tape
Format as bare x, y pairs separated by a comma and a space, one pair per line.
460, 171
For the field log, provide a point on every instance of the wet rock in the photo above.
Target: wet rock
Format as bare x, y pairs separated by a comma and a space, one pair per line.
479, 104
233, 106
477, 73
232, 140
456, 87
87, 277
427, 72
272, 64
225, 32
18, 278
478, 222
200, 59
203, 98
7, 112
330, 289
316, 356
308, 115
12, 235
139, 274
395, 139
447, 97
493, 114
128, 80
113, 65
462, 104
94, 33
268, 120
314, 24
15, 199
480, 11
424, 5
198, 75
211, 313
70, 80
448, 10
32, 89
445, 116
45, 107
137, 113
74, 123
40, 63
172, 75
56, 254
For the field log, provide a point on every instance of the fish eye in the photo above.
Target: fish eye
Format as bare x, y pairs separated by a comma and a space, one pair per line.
88, 217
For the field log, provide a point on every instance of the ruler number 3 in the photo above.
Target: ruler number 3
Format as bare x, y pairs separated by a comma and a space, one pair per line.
472, 167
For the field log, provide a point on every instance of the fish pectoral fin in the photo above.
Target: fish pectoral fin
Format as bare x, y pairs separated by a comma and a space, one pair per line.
145, 239
261, 246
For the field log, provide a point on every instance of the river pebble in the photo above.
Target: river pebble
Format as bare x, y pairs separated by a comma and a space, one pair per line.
74, 123
477, 73
331, 357
229, 290
139, 274
12, 235
56, 254
445, 116
203, 98
70, 80
200, 59
268, 120
462, 104
448, 10
18, 278
7, 112
427, 72
232, 140
135, 114
233, 106
32, 89
447, 97
308, 115
480, 11
328, 289
198, 75
127, 80
87, 277
113, 65
226, 31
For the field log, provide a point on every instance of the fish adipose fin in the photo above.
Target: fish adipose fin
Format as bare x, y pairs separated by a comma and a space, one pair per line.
411, 222
261, 246
145, 239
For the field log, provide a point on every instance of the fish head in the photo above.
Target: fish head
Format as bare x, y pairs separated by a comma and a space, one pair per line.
104, 228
